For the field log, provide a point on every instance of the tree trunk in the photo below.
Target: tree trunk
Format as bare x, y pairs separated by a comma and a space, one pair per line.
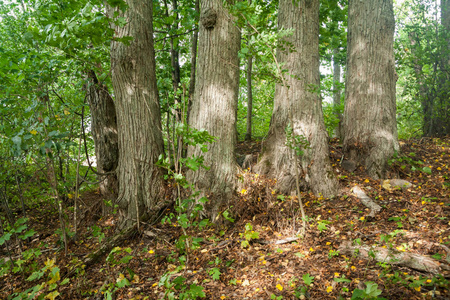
248, 134
298, 105
138, 113
337, 90
215, 101
424, 94
104, 133
444, 87
193, 63
369, 118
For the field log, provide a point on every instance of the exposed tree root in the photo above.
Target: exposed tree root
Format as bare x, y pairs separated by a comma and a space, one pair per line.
374, 207
407, 259
93, 257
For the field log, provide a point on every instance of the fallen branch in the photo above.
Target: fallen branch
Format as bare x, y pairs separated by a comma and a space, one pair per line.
389, 256
374, 207
92, 258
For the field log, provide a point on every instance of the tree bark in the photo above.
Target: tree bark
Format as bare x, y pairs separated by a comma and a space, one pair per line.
248, 134
104, 133
298, 105
337, 90
215, 101
370, 110
193, 63
444, 87
138, 113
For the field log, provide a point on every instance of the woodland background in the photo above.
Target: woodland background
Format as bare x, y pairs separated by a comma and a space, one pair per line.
167, 210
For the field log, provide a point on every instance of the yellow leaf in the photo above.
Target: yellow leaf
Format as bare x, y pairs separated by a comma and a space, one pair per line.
135, 279
366, 181
329, 289
49, 262
52, 295
279, 287
33, 132
328, 243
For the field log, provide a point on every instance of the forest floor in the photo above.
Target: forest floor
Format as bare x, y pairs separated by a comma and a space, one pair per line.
242, 259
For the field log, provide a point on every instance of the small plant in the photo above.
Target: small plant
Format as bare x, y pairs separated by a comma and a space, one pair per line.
303, 289
370, 292
48, 287
248, 235
322, 225
117, 256
179, 285
398, 220
97, 232
215, 271
407, 161
332, 253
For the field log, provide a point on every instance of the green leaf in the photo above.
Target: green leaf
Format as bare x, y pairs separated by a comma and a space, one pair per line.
308, 279
426, 170
342, 280
214, 273
4, 238
196, 291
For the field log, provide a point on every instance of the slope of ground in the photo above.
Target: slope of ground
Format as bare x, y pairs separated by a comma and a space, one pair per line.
253, 251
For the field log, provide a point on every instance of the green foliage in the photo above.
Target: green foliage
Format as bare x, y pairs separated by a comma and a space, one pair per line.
370, 292
298, 143
408, 163
330, 116
248, 235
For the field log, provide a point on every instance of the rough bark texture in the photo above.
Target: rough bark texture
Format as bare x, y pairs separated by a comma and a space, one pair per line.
215, 100
193, 63
104, 133
138, 113
248, 134
444, 87
337, 90
301, 102
370, 126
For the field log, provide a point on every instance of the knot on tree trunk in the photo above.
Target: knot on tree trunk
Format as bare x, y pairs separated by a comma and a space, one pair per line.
208, 18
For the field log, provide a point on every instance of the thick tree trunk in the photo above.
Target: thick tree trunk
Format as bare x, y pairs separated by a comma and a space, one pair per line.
337, 90
298, 105
248, 134
104, 133
444, 87
215, 100
369, 118
138, 113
